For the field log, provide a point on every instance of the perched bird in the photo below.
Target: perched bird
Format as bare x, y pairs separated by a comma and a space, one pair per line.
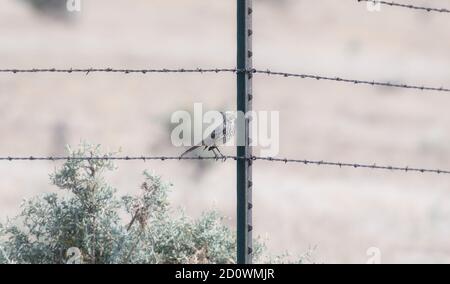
219, 136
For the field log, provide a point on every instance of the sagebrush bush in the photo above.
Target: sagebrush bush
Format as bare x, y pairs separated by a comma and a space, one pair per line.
87, 222
86, 217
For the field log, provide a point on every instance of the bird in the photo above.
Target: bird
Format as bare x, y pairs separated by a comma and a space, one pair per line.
219, 136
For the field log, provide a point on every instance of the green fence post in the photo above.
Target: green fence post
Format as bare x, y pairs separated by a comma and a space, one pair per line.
244, 104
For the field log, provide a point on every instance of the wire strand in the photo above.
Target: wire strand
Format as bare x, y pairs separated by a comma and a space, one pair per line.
285, 161
395, 4
88, 71
351, 81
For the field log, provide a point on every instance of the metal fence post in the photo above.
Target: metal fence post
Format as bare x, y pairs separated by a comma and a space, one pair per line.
244, 104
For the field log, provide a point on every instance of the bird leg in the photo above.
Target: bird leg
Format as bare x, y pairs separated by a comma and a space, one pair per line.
212, 148
220, 153
223, 157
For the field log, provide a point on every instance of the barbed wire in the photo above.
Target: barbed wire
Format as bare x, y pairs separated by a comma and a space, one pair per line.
352, 81
228, 158
88, 71
409, 6
353, 165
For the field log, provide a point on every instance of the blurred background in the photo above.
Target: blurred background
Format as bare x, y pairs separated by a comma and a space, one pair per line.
339, 212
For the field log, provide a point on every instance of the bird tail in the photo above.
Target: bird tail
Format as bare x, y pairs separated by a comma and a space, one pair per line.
189, 150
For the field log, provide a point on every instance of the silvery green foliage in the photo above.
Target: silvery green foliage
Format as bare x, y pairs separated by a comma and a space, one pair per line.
85, 216
87, 221
286, 258
88, 215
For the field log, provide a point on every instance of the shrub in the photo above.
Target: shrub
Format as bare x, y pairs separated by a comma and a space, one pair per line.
87, 222
85, 218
